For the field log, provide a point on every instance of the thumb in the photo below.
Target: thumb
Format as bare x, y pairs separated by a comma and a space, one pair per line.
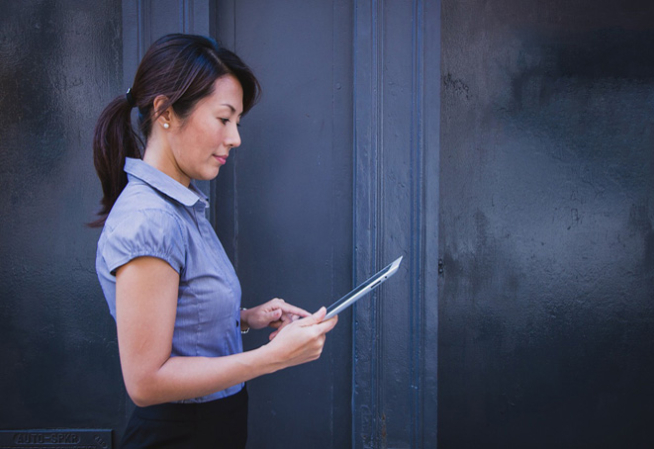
275, 314
314, 318
319, 315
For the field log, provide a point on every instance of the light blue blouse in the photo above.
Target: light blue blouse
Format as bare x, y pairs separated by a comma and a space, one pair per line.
157, 216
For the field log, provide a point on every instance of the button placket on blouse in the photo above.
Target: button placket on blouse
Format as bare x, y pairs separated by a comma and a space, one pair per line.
218, 253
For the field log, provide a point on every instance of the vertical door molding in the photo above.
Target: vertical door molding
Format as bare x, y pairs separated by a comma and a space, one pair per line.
144, 21
396, 113
367, 361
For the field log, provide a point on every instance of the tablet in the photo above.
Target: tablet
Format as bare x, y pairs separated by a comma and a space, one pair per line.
363, 289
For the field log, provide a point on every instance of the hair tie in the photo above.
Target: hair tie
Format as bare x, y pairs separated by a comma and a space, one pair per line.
130, 98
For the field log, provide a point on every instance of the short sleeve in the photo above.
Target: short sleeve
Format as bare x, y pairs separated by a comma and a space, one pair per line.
149, 232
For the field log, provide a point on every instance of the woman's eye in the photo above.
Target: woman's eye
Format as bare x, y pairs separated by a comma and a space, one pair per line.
224, 120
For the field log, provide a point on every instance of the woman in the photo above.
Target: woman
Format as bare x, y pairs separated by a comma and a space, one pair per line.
168, 283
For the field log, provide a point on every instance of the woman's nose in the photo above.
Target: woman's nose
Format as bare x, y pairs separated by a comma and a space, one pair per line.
233, 139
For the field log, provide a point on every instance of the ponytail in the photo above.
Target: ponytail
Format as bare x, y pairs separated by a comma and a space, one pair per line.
114, 140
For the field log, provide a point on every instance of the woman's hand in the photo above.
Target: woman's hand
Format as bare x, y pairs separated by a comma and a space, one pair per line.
275, 313
302, 340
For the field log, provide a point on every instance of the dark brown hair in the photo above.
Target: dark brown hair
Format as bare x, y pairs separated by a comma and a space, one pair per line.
181, 67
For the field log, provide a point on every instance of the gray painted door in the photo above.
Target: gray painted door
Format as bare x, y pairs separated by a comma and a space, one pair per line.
61, 64
337, 176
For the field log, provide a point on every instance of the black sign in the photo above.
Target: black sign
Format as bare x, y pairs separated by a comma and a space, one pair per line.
56, 439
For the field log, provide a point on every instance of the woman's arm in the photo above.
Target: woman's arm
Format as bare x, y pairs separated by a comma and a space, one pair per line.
146, 301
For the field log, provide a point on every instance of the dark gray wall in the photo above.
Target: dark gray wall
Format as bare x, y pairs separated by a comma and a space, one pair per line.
61, 63
547, 207
284, 203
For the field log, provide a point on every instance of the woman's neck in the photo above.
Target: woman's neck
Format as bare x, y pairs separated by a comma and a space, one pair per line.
159, 155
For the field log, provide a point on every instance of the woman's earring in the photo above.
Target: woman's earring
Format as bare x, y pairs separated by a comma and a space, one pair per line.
166, 125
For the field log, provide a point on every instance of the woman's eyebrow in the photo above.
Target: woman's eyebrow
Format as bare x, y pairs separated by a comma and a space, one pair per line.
232, 108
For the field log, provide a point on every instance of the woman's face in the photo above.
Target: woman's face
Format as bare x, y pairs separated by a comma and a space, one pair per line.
201, 143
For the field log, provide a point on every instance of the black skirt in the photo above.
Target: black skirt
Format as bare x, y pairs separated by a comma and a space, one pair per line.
216, 424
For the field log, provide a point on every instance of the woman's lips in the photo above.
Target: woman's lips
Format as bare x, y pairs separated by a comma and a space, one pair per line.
221, 159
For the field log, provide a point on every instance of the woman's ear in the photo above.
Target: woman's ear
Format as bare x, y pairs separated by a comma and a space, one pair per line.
162, 117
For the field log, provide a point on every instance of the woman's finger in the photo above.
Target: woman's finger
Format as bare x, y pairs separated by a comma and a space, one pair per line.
293, 310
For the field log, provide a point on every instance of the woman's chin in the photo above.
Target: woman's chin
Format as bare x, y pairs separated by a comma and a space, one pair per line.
208, 175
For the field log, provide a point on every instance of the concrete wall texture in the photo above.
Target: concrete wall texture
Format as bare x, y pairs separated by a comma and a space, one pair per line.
547, 212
